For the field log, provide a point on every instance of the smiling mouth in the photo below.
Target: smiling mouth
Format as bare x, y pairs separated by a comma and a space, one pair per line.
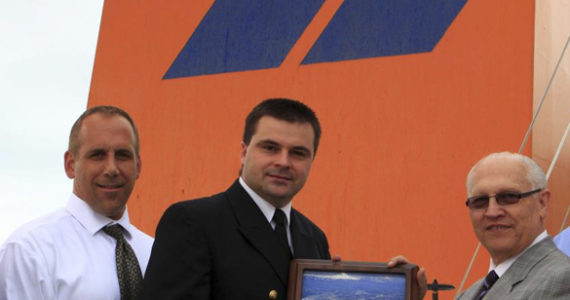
280, 177
110, 186
497, 227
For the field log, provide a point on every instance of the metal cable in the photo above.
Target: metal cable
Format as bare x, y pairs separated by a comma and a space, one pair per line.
555, 158
560, 146
527, 135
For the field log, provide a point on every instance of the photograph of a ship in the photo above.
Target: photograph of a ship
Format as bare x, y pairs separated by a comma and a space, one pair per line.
325, 285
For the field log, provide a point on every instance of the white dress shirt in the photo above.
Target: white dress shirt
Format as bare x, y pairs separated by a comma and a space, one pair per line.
66, 255
268, 210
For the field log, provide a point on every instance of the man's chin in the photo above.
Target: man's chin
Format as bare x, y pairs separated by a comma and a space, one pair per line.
279, 192
112, 207
278, 198
279, 183
498, 248
114, 213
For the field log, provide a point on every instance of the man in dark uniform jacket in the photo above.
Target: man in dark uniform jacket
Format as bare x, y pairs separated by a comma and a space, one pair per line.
233, 245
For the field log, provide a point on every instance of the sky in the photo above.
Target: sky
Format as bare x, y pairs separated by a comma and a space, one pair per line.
47, 50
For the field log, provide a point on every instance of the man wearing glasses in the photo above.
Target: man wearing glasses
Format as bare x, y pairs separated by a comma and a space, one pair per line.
508, 203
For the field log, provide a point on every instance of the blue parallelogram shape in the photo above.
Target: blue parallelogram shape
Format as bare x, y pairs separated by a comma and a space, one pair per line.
239, 35
373, 28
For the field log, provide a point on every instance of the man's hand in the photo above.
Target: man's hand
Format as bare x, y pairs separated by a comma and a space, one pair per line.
421, 276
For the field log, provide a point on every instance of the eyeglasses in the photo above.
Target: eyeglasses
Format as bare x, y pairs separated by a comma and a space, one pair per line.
506, 198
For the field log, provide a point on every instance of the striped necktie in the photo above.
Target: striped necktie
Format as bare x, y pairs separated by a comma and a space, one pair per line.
490, 279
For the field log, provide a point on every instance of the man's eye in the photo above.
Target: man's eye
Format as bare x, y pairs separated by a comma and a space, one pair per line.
299, 153
508, 198
97, 155
270, 148
480, 202
124, 155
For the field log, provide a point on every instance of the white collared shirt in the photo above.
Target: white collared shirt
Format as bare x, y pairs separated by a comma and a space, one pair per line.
66, 255
505, 265
268, 210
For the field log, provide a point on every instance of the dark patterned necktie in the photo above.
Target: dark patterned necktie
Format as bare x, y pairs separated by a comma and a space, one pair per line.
280, 229
490, 279
128, 270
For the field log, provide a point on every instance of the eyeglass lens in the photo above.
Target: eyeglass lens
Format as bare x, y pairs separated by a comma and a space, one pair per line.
502, 199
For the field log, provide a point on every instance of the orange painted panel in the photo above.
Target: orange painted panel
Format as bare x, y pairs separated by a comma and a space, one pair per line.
399, 132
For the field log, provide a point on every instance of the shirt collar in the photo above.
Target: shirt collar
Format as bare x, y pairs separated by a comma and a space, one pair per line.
266, 208
93, 221
505, 265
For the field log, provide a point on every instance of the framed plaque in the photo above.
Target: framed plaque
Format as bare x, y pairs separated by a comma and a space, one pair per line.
317, 279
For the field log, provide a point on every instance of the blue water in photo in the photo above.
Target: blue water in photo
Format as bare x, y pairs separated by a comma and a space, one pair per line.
322, 285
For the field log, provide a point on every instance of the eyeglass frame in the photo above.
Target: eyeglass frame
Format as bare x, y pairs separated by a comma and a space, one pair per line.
497, 197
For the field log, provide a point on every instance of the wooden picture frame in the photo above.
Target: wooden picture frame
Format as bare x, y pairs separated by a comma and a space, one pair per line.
350, 279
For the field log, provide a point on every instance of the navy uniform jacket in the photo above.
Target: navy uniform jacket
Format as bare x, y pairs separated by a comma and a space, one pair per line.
222, 247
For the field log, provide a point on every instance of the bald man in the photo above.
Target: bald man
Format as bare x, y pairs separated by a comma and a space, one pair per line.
508, 203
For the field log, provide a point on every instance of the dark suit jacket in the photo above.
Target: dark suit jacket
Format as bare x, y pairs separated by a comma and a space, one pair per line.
541, 272
222, 247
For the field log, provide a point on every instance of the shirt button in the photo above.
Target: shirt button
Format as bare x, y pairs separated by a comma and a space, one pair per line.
273, 294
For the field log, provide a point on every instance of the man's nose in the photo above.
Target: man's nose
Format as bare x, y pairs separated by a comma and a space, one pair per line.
283, 159
111, 168
494, 209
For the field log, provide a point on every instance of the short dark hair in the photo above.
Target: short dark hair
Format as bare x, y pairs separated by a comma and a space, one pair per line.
282, 109
105, 110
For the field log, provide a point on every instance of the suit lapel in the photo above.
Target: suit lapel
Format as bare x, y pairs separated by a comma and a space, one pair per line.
303, 244
254, 227
472, 292
520, 268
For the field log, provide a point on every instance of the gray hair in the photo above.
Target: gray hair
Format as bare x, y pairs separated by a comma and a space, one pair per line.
534, 174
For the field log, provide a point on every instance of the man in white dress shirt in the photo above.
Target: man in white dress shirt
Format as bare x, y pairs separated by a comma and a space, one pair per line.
66, 254
508, 203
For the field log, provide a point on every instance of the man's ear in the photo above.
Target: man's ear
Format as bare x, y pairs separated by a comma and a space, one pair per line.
543, 203
139, 166
69, 164
243, 152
